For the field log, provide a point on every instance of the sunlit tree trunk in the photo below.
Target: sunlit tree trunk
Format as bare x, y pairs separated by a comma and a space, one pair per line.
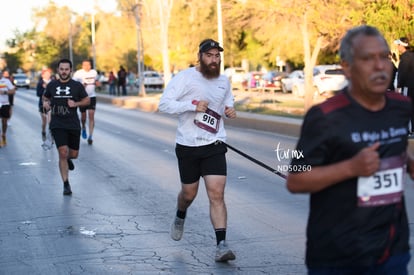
140, 47
165, 7
310, 62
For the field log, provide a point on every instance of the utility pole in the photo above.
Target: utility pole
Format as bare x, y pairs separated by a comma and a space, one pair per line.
93, 39
220, 33
72, 21
140, 48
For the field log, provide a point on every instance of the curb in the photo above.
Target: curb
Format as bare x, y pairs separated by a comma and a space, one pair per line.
277, 124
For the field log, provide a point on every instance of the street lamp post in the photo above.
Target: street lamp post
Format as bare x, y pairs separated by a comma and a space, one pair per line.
72, 22
140, 48
93, 39
70, 42
220, 32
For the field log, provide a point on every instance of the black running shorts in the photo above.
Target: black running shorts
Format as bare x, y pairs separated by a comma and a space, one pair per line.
11, 99
5, 111
195, 162
91, 106
69, 137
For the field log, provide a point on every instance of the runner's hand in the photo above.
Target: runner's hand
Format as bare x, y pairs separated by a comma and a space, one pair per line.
367, 161
202, 106
230, 112
72, 103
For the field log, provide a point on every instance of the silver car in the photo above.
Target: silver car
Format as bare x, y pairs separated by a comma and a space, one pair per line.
328, 78
293, 79
21, 81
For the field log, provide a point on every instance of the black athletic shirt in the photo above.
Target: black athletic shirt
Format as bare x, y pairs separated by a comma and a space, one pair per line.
64, 117
405, 74
339, 233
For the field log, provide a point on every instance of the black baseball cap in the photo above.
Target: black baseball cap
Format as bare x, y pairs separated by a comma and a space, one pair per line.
208, 44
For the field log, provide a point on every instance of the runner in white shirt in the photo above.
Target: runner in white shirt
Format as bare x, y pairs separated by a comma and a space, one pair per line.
88, 77
6, 88
202, 98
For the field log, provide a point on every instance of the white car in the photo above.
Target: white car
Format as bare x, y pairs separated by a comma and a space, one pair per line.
152, 80
21, 80
292, 80
236, 76
328, 78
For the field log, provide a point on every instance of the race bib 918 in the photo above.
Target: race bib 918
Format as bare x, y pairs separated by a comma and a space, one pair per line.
209, 121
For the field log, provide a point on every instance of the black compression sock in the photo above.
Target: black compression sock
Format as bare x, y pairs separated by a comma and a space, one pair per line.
220, 234
181, 214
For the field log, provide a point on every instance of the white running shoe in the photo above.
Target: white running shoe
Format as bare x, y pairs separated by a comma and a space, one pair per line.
223, 253
177, 229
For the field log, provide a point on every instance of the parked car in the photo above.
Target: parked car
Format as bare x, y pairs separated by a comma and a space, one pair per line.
21, 80
273, 80
328, 78
152, 80
252, 80
295, 77
236, 76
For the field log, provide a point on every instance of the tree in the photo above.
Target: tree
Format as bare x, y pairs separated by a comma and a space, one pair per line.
302, 32
165, 7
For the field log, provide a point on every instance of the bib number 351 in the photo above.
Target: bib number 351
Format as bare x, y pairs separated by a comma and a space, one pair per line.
384, 187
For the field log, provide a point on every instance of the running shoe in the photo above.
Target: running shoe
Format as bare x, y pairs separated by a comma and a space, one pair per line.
66, 189
3, 141
70, 165
177, 229
223, 253
84, 135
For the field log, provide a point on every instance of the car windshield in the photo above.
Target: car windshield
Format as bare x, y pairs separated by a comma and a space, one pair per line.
152, 75
334, 72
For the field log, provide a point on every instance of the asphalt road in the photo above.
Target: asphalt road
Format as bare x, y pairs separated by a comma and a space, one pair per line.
124, 192
125, 185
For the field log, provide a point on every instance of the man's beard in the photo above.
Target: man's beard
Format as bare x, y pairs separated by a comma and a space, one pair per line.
64, 77
209, 72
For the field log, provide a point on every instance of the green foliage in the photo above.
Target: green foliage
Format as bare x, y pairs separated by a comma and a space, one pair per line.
257, 31
13, 61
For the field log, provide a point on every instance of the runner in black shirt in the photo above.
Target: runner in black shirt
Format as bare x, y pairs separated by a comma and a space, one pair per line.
63, 97
355, 144
405, 76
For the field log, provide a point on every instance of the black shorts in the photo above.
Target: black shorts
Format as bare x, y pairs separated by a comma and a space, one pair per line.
69, 137
11, 99
5, 111
42, 110
91, 106
195, 162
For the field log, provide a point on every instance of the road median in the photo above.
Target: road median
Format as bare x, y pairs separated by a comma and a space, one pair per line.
269, 123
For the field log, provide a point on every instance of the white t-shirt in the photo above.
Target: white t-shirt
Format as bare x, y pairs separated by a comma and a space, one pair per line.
5, 85
88, 79
179, 96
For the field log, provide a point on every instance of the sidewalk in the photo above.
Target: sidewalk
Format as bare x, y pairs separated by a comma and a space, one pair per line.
278, 124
